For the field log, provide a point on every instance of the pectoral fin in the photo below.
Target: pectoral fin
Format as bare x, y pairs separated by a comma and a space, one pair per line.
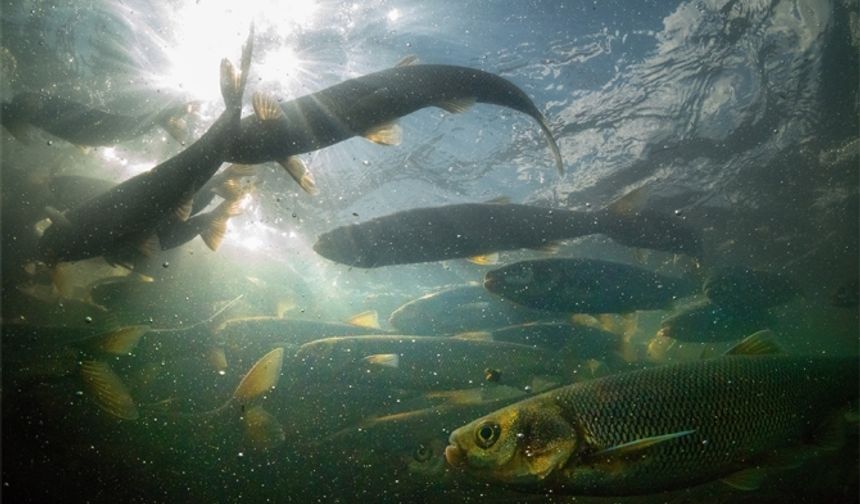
267, 107
391, 360
388, 133
407, 61
760, 343
633, 448
368, 319
183, 211
58, 218
262, 377
485, 260
149, 246
121, 341
456, 105
300, 173
747, 480
213, 235
263, 430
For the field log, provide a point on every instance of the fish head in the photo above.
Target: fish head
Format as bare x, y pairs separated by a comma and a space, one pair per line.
522, 444
343, 246
426, 459
514, 280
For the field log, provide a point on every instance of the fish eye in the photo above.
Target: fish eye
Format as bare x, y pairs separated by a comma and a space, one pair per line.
487, 434
422, 453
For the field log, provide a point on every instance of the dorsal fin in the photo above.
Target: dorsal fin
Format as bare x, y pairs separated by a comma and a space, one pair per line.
760, 343
485, 260
633, 447
499, 200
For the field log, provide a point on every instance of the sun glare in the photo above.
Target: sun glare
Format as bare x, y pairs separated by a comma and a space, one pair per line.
206, 32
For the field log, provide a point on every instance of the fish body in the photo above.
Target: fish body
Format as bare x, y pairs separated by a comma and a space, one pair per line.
740, 288
275, 331
583, 341
657, 429
425, 363
450, 232
130, 212
356, 106
708, 322
459, 309
585, 286
83, 125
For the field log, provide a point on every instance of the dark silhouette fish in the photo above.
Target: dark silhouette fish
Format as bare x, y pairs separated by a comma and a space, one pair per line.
367, 106
83, 125
130, 213
585, 286
710, 322
738, 288
450, 232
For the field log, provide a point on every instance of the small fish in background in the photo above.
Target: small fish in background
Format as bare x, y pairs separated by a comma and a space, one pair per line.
707, 322
424, 363
459, 309
128, 215
585, 286
739, 288
753, 411
85, 126
369, 106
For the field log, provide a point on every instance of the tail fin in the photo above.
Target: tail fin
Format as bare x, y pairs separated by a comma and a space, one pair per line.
233, 81
553, 146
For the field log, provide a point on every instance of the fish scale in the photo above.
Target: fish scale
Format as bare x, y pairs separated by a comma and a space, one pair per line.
741, 409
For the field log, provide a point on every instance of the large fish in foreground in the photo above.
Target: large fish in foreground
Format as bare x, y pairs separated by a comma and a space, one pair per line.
129, 214
367, 106
451, 232
585, 286
86, 126
675, 426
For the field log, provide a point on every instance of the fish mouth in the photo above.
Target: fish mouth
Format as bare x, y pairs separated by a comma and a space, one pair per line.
490, 282
455, 456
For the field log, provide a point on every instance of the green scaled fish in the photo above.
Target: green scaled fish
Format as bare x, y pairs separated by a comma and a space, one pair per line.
729, 418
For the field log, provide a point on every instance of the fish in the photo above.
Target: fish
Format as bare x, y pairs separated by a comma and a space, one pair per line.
729, 418
424, 362
708, 322
86, 126
459, 309
129, 213
368, 106
739, 288
629, 222
451, 232
586, 342
585, 286
249, 331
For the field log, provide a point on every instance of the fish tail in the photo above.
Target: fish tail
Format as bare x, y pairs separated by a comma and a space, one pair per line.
233, 81
550, 140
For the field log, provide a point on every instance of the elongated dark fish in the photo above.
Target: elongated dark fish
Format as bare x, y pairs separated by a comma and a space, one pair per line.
709, 322
740, 288
450, 232
459, 309
130, 212
662, 428
418, 362
367, 105
585, 286
82, 125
